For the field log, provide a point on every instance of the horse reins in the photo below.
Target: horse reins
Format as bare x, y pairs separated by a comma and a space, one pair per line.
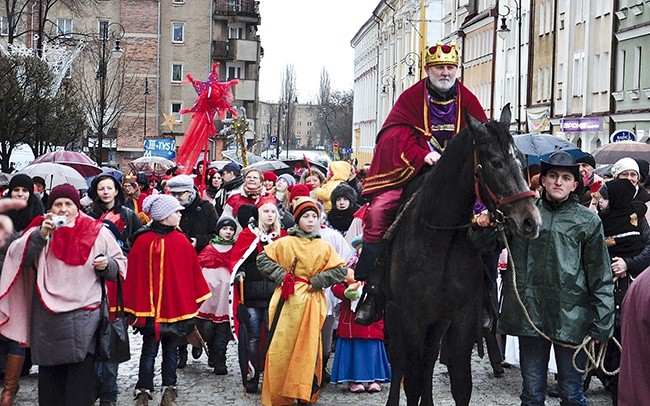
588, 345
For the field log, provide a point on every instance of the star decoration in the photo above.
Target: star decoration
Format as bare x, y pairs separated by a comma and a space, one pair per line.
170, 121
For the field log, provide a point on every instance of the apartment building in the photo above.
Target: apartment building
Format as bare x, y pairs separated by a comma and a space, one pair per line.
162, 41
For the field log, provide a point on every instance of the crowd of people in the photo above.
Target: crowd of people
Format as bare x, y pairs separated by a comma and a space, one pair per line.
279, 263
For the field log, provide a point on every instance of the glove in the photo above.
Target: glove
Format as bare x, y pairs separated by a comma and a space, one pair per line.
352, 293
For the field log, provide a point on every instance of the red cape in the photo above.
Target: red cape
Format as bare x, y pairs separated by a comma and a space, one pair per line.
164, 278
402, 142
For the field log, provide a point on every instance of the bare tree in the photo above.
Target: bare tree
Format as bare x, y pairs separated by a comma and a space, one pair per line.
288, 100
334, 113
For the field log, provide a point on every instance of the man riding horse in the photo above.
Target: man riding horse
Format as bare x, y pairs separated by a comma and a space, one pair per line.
421, 123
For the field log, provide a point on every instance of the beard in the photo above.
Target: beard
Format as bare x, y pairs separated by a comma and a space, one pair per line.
442, 86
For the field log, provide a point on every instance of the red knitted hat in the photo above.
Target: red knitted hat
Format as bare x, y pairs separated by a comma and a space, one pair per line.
298, 190
65, 190
268, 175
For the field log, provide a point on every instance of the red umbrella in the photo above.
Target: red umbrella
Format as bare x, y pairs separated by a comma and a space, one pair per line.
76, 160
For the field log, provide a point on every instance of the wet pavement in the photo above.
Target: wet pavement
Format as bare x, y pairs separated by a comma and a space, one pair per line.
197, 385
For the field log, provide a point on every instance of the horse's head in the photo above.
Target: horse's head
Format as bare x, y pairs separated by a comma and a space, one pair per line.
499, 177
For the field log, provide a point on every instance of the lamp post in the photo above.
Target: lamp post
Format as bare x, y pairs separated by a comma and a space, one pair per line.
277, 144
387, 80
117, 33
146, 93
503, 33
287, 125
411, 59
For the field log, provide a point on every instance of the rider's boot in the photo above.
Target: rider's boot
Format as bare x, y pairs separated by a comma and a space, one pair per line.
369, 269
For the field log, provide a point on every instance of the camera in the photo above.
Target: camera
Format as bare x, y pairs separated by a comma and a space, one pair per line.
59, 221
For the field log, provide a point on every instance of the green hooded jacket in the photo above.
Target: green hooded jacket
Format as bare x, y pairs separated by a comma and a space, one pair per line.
563, 278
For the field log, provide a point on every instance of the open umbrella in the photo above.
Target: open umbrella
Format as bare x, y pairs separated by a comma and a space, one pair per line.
152, 165
4, 179
55, 174
539, 146
610, 153
270, 165
76, 160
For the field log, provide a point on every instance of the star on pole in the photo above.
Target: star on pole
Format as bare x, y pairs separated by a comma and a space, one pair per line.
170, 121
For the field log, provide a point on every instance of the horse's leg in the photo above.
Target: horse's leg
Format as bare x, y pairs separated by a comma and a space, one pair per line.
396, 352
463, 333
431, 350
413, 373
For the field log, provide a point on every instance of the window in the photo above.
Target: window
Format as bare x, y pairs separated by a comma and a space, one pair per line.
236, 32
309, 123
234, 72
539, 84
620, 73
604, 75
636, 75
234, 5
64, 27
576, 83
103, 29
178, 1
560, 73
542, 19
176, 111
596, 79
177, 72
178, 32
4, 26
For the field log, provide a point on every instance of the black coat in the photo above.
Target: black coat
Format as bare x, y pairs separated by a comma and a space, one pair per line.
199, 220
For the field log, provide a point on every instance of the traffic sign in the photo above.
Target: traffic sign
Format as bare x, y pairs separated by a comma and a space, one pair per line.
274, 140
622, 135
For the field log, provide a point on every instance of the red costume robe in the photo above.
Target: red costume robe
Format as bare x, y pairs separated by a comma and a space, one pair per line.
403, 140
165, 278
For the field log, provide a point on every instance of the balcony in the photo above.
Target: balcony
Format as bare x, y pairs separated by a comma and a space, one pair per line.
244, 50
245, 90
237, 11
221, 51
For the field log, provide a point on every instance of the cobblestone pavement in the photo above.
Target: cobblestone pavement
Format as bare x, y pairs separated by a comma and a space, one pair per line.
197, 385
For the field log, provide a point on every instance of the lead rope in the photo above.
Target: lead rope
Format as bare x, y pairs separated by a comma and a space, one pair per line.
595, 356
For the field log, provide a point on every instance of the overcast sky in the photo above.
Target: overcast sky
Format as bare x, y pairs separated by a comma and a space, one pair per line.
309, 35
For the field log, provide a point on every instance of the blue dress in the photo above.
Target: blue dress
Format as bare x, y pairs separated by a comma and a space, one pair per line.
360, 360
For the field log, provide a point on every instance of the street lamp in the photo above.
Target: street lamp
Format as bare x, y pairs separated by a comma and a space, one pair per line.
503, 33
387, 80
411, 59
117, 33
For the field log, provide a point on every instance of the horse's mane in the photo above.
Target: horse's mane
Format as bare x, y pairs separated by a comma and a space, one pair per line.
456, 167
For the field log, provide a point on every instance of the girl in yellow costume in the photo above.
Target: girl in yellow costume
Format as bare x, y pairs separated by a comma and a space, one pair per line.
302, 265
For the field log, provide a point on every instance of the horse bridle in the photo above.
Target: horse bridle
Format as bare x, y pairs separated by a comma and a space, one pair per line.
496, 203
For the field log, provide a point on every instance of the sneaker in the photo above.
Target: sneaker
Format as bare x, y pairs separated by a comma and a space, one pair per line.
356, 387
142, 397
196, 352
374, 387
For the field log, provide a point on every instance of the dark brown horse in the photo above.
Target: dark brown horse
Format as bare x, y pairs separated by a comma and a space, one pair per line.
435, 271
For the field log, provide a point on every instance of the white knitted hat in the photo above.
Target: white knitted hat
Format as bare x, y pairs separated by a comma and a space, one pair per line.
159, 207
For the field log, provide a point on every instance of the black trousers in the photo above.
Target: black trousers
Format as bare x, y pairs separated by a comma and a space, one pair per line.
69, 384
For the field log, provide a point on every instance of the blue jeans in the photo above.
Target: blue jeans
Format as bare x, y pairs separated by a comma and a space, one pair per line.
148, 357
534, 354
107, 375
259, 316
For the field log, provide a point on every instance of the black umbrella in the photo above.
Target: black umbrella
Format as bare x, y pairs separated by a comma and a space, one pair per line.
241, 333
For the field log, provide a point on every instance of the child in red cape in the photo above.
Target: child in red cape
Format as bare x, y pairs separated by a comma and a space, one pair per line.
164, 290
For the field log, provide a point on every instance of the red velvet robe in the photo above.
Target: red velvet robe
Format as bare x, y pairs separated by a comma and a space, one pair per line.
402, 142
165, 280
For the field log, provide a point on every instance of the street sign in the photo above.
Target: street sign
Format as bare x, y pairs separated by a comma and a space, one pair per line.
274, 140
622, 135
164, 147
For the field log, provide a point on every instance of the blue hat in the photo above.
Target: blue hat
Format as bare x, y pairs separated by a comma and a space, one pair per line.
231, 167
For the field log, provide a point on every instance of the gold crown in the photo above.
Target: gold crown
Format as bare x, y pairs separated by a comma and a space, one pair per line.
441, 54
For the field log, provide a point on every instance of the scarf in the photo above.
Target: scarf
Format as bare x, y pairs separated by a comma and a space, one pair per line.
254, 193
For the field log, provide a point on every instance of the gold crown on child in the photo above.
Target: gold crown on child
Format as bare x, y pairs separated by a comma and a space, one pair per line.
441, 54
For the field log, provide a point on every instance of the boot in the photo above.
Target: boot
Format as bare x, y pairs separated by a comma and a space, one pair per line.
169, 396
142, 397
182, 356
12, 374
368, 260
196, 352
370, 309
220, 363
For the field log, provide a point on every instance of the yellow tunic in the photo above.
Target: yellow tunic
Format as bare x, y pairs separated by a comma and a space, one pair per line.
295, 355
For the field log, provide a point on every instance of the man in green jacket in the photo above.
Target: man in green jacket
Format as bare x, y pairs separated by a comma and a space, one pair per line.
565, 283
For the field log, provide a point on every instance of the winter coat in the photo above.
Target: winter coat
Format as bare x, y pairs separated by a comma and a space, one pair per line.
227, 189
563, 277
199, 220
347, 327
